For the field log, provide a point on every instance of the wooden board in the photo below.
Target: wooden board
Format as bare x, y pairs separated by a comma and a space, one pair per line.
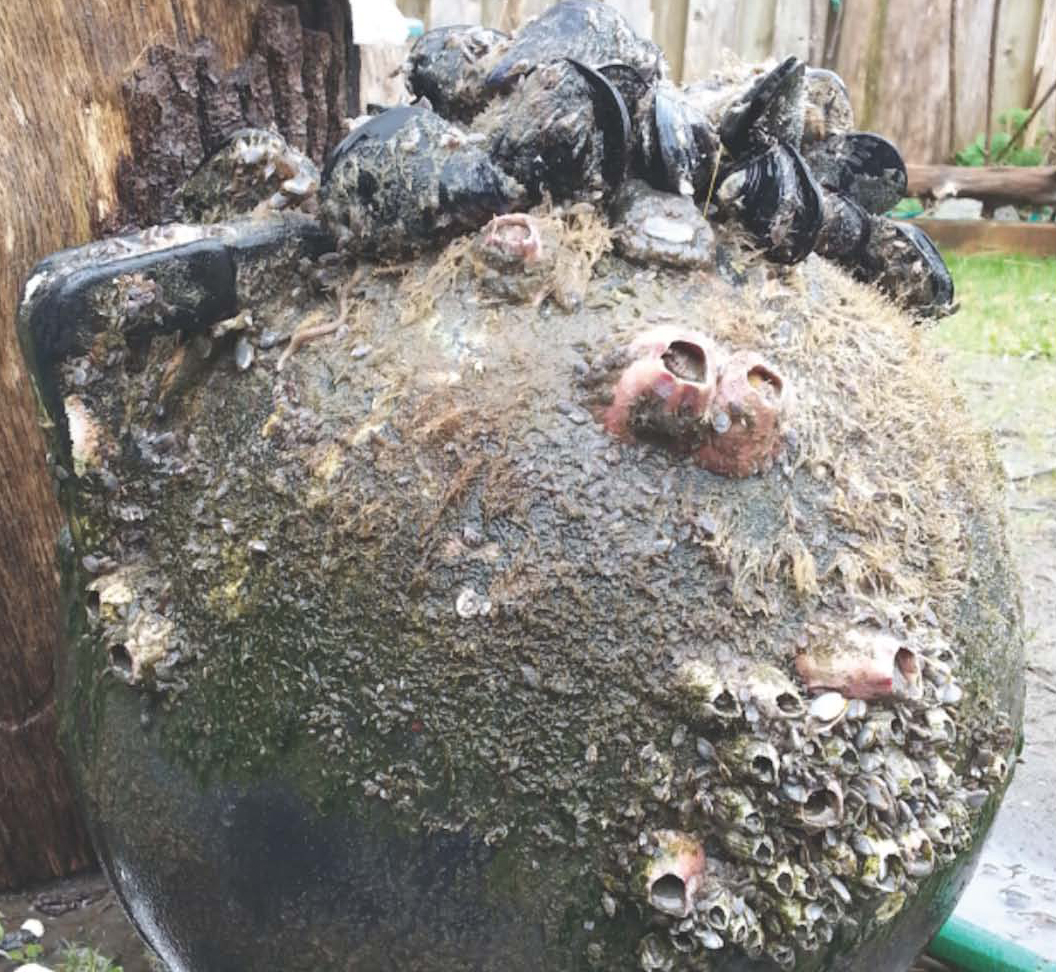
670, 20
894, 57
1044, 72
995, 185
712, 27
991, 236
973, 50
793, 23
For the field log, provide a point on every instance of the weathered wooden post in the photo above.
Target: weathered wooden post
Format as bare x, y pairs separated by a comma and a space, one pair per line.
65, 136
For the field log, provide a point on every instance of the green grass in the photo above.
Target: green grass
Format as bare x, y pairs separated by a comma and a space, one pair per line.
1008, 306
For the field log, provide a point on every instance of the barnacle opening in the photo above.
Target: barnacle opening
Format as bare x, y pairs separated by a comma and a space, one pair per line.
789, 703
725, 704
718, 916
668, 894
687, 361
823, 805
765, 381
764, 769
120, 658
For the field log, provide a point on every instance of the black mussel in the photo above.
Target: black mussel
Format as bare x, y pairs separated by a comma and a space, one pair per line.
686, 144
613, 118
253, 169
845, 229
564, 130
902, 261
588, 31
861, 165
406, 179
770, 111
633, 88
776, 199
827, 108
448, 66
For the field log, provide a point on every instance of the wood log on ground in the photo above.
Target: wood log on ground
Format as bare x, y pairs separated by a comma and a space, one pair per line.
65, 136
995, 185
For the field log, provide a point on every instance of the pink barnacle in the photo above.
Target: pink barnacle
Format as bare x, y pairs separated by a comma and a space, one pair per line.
516, 234
867, 664
750, 405
664, 393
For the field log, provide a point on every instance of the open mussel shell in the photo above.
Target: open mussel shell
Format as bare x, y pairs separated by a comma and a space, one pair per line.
448, 66
686, 144
904, 263
564, 130
863, 166
588, 31
405, 180
777, 200
770, 111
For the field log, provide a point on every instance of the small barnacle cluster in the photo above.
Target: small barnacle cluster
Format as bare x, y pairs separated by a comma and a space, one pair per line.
819, 804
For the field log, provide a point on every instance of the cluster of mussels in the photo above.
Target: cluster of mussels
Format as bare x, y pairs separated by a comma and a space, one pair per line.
818, 817
577, 107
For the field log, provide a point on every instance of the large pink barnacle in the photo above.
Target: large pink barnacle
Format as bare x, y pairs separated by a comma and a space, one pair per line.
517, 235
682, 391
863, 664
751, 403
665, 393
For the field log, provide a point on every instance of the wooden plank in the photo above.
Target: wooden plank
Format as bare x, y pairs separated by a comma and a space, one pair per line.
755, 29
444, 13
861, 33
381, 75
819, 20
1044, 72
670, 18
973, 50
995, 185
711, 28
1016, 46
792, 29
894, 58
991, 236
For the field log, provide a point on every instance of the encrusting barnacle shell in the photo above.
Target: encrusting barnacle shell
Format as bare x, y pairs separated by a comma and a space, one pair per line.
674, 873
863, 663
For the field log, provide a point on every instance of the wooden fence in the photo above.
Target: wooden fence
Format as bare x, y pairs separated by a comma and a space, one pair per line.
917, 69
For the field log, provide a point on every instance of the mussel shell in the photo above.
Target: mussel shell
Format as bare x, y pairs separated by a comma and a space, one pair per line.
777, 200
405, 180
381, 127
250, 166
686, 144
827, 110
448, 65
588, 31
863, 166
770, 111
845, 229
613, 118
563, 130
633, 88
903, 262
